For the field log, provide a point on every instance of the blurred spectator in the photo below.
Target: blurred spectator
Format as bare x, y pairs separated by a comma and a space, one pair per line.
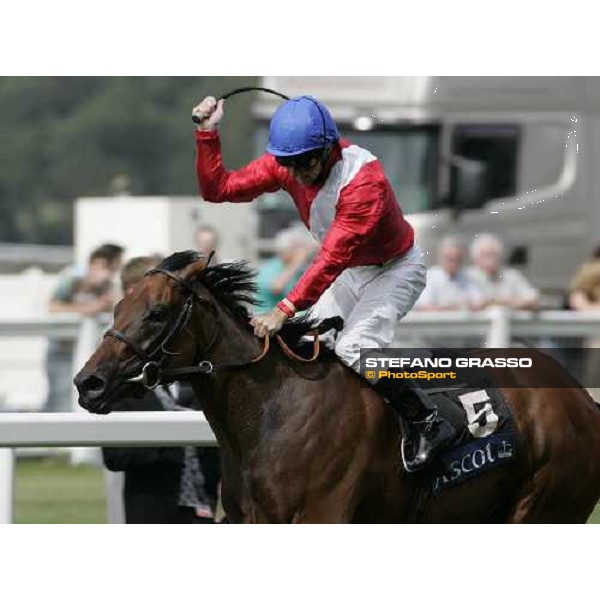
276, 277
449, 285
170, 484
114, 253
207, 241
89, 294
133, 271
584, 295
502, 286
584, 289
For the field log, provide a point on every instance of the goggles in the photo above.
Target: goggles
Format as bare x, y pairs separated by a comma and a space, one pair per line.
301, 162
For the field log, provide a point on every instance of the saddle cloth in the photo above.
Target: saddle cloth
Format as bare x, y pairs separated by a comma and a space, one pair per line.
486, 432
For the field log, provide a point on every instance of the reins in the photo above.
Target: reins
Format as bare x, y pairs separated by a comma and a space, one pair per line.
153, 374
293, 356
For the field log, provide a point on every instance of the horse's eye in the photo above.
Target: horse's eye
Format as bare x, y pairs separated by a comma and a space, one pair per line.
158, 313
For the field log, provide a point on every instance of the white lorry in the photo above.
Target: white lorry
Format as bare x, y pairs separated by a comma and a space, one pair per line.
509, 155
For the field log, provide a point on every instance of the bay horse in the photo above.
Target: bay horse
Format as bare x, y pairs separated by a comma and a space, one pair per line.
310, 442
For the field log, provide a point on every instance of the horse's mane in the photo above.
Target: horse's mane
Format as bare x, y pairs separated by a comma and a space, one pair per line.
233, 286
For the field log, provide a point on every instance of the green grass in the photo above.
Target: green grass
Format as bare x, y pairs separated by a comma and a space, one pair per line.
595, 516
50, 490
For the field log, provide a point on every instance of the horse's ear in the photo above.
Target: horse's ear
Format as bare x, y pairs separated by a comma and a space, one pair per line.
210, 256
193, 270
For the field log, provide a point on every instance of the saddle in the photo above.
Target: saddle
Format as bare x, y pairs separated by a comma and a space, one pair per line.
486, 430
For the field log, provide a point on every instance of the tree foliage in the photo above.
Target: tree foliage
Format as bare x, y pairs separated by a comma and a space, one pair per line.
66, 137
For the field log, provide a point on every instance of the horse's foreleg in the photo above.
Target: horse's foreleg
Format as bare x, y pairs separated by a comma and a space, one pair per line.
323, 513
337, 505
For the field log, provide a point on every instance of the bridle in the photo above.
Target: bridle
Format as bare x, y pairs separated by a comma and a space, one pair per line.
153, 373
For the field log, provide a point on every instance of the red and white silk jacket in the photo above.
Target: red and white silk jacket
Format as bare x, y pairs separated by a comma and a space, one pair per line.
353, 213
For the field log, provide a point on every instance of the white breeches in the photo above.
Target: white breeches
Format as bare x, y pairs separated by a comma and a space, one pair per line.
371, 300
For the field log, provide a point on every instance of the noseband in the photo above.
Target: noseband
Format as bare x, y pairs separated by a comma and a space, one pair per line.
152, 373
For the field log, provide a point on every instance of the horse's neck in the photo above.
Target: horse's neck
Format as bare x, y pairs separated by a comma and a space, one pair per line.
231, 409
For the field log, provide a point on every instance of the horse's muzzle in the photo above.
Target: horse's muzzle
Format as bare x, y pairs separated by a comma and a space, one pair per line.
92, 392
90, 386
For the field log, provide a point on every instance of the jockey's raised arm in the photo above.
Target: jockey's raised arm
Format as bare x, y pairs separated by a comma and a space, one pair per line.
216, 184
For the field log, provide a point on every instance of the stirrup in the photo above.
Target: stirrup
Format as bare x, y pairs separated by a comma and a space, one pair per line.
403, 439
403, 456
428, 422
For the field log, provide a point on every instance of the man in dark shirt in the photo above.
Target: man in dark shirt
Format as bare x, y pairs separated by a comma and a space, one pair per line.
163, 484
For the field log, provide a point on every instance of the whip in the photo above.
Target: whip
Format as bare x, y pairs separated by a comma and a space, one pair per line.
242, 90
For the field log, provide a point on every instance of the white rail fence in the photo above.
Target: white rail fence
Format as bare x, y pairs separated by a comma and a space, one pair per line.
496, 328
81, 429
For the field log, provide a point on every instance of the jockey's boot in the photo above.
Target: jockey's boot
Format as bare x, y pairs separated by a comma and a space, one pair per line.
426, 430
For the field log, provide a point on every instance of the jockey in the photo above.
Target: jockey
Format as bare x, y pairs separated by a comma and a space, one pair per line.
368, 269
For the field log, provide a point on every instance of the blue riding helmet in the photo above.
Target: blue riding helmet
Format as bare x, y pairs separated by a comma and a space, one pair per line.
300, 125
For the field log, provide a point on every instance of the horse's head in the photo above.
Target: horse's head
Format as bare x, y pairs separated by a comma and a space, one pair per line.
152, 332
